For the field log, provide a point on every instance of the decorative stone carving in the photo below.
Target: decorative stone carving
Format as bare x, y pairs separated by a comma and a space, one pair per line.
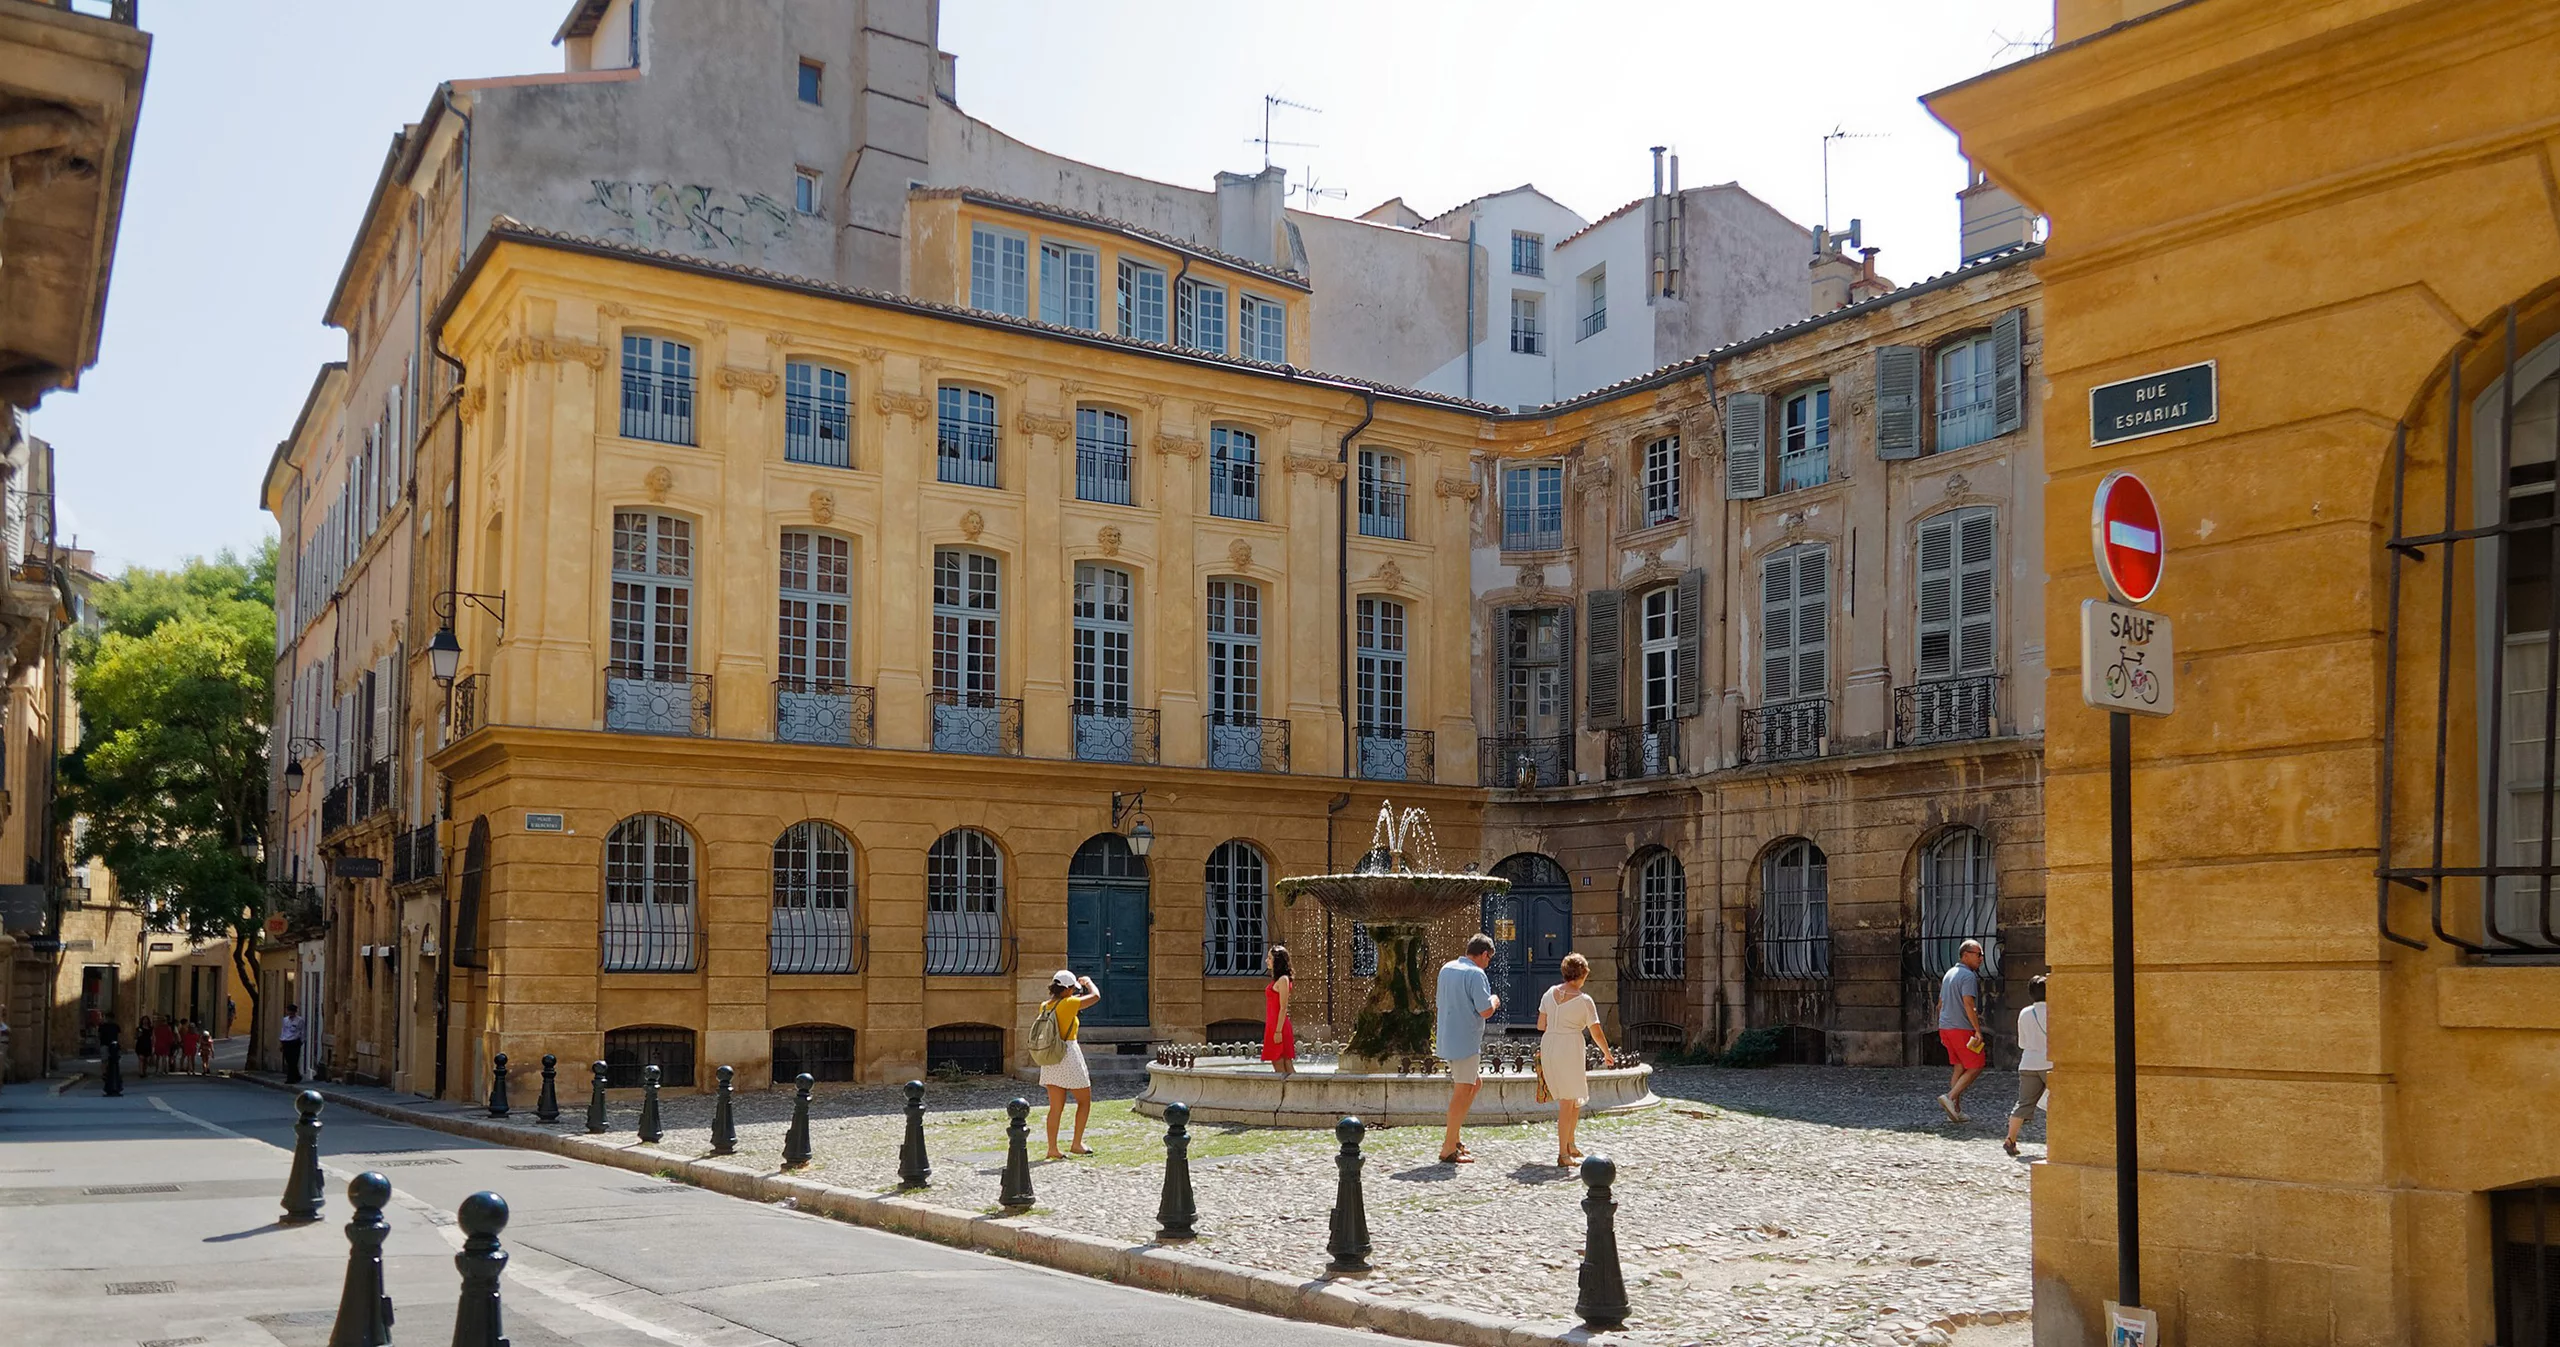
1154, 401
1017, 378
1107, 538
1652, 558
1461, 488
1038, 423
873, 354
549, 351
715, 327
822, 506
1318, 466
1240, 554
1957, 485
917, 405
1177, 446
972, 524
1390, 576
1073, 387
475, 399
614, 308
779, 338
764, 382
1533, 578
1280, 421
659, 482
1792, 521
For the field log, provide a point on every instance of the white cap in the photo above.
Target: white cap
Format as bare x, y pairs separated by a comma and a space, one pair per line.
1065, 977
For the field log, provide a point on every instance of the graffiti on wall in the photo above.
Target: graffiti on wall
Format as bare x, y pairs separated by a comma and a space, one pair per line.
690, 217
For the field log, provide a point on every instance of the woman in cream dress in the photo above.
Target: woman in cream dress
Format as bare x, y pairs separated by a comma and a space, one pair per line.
1565, 1013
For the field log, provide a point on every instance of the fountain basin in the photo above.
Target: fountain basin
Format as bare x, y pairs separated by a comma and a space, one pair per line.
1398, 897
1244, 1090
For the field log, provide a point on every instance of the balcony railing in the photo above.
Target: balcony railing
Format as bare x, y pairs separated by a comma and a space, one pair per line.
966, 455
817, 430
657, 701
1647, 749
1102, 471
1391, 754
1595, 321
817, 940
1235, 489
1945, 710
374, 785
1523, 762
415, 855
966, 943
809, 712
1527, 339
338, 806
299, 904
973, 722
1382, 509
469, 703
1109, 733
1532, 528
1787, 731
657, 407
1240, 743
654, 935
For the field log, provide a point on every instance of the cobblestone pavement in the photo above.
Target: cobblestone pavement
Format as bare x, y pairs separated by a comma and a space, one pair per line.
1787, 1205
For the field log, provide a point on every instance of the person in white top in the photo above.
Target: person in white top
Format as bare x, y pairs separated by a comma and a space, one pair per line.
1565, 1013
2034, 1059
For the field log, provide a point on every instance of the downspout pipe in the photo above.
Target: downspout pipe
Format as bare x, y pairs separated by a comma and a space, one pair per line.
1342, 567
453, 581
1470, 336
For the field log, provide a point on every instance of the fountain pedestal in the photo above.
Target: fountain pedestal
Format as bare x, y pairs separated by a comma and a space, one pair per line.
1396, 1021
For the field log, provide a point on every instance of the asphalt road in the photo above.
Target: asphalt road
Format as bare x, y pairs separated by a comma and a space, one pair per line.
151, 1220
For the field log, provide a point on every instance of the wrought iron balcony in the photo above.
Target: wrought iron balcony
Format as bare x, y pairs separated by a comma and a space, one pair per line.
1241, 743
1382, 508
965, 455
816, 430
657, 701
338, 806
1235, 489
1391, 754
299, 904
657, 935
1109, 733
966, 943
817, 940
1945, 710
415, 855
1532, 528
374, 787
470, 709
810, 712
1523, 762
1649, 749
1594, 322
1787, 731
973, 722
657, 407
1102, 471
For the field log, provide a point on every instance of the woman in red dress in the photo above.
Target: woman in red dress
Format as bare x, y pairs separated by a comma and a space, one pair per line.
164, 1044
1279, 1037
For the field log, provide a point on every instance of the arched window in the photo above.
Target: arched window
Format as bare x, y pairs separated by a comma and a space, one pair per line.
1382, 494
1239, 894
630, 1052
657, 389
1795, 911
471, 915
1662, 918
1959, 901
648, 896
817, 420
813, 889
964, 904
1102, 455
965, 436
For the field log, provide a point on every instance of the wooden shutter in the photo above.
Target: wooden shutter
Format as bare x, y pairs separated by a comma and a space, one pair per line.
1937, 598
1501, 665
1778, 628
1688, 626
1564, 679
1898, 370
1977, 579
1813, 621
1746, 446
2008, 385
1604, 656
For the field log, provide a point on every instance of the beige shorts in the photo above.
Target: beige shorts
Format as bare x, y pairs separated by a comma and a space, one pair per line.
1466, 1070
2030, 1090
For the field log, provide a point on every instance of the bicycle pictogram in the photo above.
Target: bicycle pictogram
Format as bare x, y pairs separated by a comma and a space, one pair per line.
2127, 672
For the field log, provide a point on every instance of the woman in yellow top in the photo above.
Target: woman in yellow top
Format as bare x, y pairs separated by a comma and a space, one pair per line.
1067, 1075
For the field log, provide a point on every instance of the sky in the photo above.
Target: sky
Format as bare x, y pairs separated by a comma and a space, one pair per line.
261, 137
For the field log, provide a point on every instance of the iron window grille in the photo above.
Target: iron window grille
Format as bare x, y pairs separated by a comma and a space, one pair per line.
469, 704
657, 389
1526, 338
1235, 474
1948, 710
1661, 945
807, 712
649, 911
964, 930
1388, 753
1523, 762
965, 437
629, 1053
1109, 732
2524, 1231
1382, 495
975, 1048
1595, 305
1528, 254
1238, 891
641, 700
1959, 901
817, 415
1102, 456
1248, 743
974, 722
824, 1052
813, 927
1787, 731
1794, 936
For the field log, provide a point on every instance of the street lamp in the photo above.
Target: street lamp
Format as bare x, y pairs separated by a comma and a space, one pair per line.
1128, 815
444, 653
294, 749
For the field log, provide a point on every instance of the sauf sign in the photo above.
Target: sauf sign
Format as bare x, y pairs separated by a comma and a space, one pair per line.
2126, 656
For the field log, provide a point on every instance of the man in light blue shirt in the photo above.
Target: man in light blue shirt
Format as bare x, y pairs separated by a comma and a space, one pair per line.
1466, 1001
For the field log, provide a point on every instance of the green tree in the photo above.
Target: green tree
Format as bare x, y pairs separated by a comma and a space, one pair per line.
171, 771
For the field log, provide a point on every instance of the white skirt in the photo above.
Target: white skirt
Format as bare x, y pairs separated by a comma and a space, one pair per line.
1068, 1072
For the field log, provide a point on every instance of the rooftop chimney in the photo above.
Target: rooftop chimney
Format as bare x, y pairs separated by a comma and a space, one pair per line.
1867, 284
1990, 219
1833, 274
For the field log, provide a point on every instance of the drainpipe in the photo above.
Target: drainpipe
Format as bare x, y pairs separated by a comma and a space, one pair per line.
1470, 338
462, 230
1342, 567
453, 578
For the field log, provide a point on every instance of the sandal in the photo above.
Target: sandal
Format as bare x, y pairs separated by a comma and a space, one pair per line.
1079, 1150
1460, 1156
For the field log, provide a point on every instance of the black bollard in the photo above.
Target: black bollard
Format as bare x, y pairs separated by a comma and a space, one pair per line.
724, 1117
1603, 1302
795, 1142
477, 1321
546, 1105
364, 1307
1349, 1242
111, 1077
498, 1086
303, 1197
649, 1129
913, 1169
1175, 1211
595, 1100
1016, 1188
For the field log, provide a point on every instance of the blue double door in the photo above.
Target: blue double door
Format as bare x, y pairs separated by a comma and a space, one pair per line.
1107, 921
1532, 930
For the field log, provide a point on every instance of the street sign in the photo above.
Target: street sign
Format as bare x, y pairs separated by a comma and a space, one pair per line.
546, 823
2125, 532
356, 867
2155, 404
2126, 660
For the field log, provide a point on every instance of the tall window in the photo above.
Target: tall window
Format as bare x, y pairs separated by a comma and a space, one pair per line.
804, 191
1658, 653
812, 79
1957, 579
1235, 473
1595, 301
1959, 901
1239, 901
817, 415
648, 896
1104, 632
1528, 254
1070, 287
964, 904
1262, 330
1200, 317
1102, 456
999, 272
965, 621
813, 883
817, 610
1662, 918
1381, 641
648, 687
1527, 337
657, 389
965, 437
1795, 911
1804, 446
1533, 700
1235, 675
1662, 480
1968, 370
1141, 301
1382, 494
1533, 507
1795, 624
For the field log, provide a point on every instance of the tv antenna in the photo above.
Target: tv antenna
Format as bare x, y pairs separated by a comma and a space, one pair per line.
2041, 42
1314, 192
1269, 103
1837, 133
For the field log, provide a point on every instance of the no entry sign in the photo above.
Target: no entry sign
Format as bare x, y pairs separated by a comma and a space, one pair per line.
2124, 528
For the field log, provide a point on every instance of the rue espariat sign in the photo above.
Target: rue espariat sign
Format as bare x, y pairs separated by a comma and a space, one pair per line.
2154, 404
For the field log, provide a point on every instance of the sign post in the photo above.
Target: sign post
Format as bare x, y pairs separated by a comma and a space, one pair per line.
2127, 668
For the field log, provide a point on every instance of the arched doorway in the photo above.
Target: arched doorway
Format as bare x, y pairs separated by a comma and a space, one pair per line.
1532, 929
1107, 928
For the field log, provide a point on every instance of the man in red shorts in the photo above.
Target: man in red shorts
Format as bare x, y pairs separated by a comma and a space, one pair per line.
1960, 1027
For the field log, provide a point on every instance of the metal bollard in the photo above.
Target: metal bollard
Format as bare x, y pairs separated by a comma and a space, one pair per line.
303, 1196
795, 1142
1349, 1241
364, 1307
477, 1320
111, 1079
546, 1105
913, 1168
1603, 1302
498, 1086
1016, 1188
724, 1117
1175, 1211
649, 1129
595, 1099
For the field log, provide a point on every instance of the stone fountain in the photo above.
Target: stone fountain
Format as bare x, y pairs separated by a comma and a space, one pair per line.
1385, 1072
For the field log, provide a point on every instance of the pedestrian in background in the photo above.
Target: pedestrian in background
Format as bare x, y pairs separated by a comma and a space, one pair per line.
1960, 1028
2035, 1058
164, 1044
1279, 1036
1068, 1076
111, 1048
1565, 1013
142, 1046
289, 1044
1466, 1001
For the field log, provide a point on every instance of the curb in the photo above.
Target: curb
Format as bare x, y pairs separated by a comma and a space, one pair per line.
1153, 1267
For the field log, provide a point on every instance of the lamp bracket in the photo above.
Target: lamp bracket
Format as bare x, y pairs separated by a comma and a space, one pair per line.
1126, 808
453, 600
